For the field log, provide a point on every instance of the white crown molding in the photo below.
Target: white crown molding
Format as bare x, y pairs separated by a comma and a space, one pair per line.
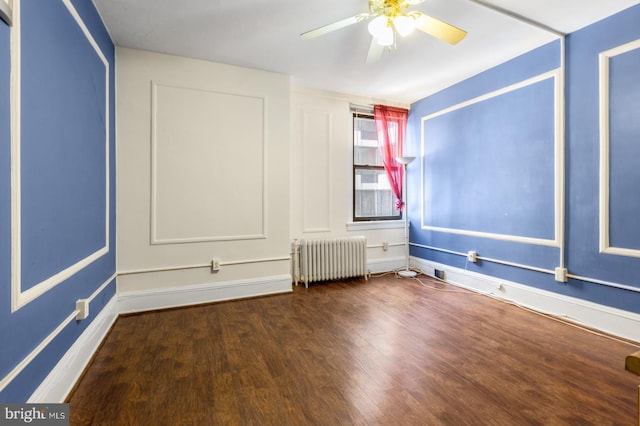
603, 217
20, 298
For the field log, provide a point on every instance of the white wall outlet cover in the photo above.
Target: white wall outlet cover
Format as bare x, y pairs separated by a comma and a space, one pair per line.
82, 306
561, 274
215, 265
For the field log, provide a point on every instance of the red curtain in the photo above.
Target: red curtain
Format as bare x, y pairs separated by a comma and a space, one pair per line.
391, 125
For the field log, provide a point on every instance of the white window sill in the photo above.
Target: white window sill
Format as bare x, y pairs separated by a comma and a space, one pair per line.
371, 225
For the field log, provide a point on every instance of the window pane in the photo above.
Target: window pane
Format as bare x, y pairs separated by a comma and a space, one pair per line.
373, 195
365, 142
373, 198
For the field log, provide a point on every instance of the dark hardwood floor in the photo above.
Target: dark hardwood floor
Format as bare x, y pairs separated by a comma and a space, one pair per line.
383, 352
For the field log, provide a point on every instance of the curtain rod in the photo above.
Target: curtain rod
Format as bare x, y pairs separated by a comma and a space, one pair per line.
357, 107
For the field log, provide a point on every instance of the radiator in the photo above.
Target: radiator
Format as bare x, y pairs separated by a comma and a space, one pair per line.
330, 259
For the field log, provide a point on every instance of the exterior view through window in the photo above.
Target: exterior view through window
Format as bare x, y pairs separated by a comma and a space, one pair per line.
372, 195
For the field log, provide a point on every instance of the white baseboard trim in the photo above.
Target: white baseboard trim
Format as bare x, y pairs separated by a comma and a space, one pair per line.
377, 266
582, 312
56, 386
148, 300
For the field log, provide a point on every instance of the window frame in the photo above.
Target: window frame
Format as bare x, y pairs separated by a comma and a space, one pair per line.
356, 167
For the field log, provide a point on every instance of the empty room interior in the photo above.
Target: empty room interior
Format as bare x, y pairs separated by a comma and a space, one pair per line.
321, 212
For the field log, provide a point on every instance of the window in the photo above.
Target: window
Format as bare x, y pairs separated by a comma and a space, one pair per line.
373, 198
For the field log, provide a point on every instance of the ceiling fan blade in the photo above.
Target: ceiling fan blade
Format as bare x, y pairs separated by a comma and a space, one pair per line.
334, 26
438, 28
375, 51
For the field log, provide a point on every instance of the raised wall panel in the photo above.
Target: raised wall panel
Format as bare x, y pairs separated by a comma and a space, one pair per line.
203, 168
316, 178
60, 148
619, 150
208, 165
489, 165
57, 214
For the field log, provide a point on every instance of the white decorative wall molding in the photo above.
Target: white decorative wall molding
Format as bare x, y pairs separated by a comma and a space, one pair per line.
204, 265
44, 343
20, 298
604, 59
559, 190
60, 381
6, 14
607, 319
147, 300
223, 185
311, 159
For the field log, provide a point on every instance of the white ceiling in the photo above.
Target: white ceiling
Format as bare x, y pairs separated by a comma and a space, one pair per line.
265, 34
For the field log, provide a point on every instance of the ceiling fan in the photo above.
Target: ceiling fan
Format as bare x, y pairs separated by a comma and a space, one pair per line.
389, 18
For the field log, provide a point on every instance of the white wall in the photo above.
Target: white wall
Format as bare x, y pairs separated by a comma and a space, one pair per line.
209, 157
321, 176
202, 173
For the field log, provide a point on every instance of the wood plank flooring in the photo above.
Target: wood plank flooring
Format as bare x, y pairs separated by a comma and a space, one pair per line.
387, 351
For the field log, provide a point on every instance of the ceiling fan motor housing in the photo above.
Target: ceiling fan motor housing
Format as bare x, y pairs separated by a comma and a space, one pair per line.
388, 8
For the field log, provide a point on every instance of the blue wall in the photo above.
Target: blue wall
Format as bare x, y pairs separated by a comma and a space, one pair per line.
66, 186
486, 180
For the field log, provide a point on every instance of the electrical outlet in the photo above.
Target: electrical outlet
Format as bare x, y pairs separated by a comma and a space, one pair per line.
215, 265
472, 256
385, 246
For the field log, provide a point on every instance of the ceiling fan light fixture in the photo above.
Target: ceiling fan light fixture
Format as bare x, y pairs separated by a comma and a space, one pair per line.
382, 30
379, 26
404, 24
389, 18
386, 39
